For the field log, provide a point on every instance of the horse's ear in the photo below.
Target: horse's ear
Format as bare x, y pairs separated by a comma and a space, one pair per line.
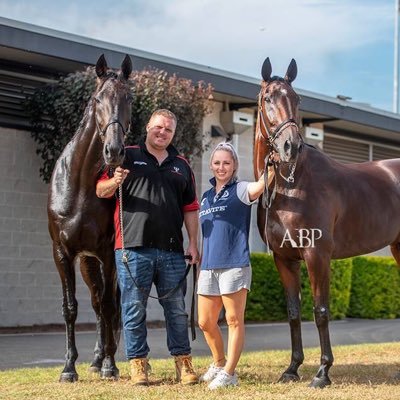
126, 67
291, 72
101, 66
266, 70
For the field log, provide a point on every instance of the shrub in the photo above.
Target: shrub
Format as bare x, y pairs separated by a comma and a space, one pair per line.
375, 291
340, 286
341, 273
55, 111
267, 302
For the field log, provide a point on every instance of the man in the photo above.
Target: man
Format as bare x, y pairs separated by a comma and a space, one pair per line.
158, 195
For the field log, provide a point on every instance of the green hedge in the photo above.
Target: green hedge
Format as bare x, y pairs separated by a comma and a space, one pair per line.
375, 290
363, 287
266, 300
340, 286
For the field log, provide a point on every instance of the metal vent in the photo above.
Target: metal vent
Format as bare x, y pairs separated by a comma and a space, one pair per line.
382, 153
15, 87
346, 151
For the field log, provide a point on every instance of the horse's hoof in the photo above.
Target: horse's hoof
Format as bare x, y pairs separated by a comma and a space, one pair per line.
68, 377
94, 369
320, 383
109, 373
286, 377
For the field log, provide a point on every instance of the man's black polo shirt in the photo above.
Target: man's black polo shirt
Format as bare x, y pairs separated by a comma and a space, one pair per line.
154, 200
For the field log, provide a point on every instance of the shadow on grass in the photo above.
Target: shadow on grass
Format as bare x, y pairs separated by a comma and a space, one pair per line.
340, 374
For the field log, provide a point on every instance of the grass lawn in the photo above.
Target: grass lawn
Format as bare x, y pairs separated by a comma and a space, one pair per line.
360, 372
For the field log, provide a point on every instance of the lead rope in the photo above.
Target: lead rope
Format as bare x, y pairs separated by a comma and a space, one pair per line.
172, 291
265, 204
121, 224
268, 199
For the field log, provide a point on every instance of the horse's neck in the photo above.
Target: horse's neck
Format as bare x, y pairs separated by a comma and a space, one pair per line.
300, 171
84, 150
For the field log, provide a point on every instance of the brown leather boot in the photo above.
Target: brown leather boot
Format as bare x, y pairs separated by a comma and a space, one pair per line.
185, 371
139, 371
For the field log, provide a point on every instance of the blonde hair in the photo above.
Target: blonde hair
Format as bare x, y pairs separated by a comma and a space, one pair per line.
226, 146
165, 113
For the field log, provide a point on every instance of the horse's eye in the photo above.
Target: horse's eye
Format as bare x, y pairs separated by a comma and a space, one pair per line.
97, 100
268, 99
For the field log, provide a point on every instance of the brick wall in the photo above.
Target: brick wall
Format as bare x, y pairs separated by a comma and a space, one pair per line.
30, 287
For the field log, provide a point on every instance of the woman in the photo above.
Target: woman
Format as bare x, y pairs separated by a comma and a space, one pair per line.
225, 274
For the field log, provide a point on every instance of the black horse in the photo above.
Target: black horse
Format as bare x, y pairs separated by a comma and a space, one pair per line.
81, 224
316, 210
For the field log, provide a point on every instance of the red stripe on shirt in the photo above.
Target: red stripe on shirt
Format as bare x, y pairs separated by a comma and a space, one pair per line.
194, 205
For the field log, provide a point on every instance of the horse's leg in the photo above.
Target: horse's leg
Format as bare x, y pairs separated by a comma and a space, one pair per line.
319, 273
395, 249
111, 314
91, 274
66, 270
289, 272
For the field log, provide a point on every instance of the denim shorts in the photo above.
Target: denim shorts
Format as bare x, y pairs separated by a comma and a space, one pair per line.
217, 282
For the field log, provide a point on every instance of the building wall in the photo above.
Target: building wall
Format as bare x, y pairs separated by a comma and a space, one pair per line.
30, 287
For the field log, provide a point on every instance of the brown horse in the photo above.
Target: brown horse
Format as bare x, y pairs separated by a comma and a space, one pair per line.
316, 210
81, 224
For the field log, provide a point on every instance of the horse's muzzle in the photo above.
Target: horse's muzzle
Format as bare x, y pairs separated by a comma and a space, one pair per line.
113, 155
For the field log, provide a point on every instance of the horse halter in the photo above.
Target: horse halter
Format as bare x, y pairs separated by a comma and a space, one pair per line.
272, 135
102, 133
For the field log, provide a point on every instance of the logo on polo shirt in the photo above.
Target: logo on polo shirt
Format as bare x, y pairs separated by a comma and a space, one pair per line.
176, 170
212, 210
140, 163
225, 195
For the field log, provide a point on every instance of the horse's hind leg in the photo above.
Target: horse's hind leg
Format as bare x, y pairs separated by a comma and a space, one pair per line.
319, 272
395, 249
289, 272
110, 308
66, 270
91, 274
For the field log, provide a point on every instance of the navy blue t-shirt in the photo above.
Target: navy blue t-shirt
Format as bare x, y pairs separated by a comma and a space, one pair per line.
225, 225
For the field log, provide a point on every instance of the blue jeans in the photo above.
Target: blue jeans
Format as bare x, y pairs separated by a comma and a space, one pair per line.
165, 269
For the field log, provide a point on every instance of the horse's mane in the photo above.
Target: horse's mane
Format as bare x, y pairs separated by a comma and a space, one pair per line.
309, 145
277, 78
85, 117
273, 79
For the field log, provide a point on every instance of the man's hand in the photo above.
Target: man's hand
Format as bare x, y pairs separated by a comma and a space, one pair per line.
193, 252
191, 219
106, 188
120, 174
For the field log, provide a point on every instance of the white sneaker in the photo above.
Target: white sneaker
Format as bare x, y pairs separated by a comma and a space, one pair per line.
223, 379
211, 373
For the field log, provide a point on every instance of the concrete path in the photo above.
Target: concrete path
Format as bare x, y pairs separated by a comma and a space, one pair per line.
47, 349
